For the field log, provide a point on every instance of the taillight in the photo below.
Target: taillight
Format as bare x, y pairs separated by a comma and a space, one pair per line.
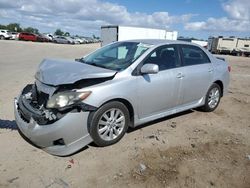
229, 68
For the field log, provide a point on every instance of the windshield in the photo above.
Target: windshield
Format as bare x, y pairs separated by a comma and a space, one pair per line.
117, 56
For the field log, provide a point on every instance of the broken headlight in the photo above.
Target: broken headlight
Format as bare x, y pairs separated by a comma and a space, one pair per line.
64, 99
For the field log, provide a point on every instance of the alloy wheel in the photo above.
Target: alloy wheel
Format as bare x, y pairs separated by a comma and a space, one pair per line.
111, 124
213, 98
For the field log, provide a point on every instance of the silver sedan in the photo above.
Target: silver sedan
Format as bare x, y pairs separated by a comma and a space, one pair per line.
124, 84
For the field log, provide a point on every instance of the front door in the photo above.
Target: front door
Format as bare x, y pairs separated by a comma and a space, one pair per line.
159, 92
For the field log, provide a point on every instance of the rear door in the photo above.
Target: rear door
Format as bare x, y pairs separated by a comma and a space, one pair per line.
196, 74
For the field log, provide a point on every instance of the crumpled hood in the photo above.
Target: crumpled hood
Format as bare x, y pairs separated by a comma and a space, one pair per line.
59, 72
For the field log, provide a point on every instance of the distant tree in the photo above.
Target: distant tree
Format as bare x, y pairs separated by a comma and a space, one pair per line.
59, 32
14, 27
192, 38
181, 37
93, 36
2, 26
31, 30
66, 34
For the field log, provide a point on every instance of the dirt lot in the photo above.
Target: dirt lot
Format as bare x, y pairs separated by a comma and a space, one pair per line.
191, 149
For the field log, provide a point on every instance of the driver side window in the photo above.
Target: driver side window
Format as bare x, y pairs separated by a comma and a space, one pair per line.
165, 57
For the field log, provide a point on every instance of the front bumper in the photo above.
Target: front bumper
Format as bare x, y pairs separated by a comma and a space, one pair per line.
72, 129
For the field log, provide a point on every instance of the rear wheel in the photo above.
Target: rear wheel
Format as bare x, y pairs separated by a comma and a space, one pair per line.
109, 123
212, 98
1, 37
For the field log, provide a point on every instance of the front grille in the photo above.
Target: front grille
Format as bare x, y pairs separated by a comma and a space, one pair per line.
42, 98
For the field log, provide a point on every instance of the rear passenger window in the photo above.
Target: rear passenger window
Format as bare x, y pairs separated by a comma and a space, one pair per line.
193, 55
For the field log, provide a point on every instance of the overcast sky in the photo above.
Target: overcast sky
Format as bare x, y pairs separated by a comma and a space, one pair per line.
197, 18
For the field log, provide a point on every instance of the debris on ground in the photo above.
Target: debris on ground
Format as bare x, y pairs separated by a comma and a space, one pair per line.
153, 137
197, 130
173, 124
118, 175
211, 183
61, 182
68, 167
142, 168
248, 157
13, 179
72, 161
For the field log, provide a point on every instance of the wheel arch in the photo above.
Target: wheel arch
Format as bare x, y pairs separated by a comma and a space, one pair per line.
220, 83
129, 107
121, 100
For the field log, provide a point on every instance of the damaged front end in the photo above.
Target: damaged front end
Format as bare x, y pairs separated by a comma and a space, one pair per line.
36, 104
51, 113
59, 131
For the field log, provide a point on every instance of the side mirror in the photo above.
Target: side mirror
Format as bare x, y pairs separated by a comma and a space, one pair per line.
150, 69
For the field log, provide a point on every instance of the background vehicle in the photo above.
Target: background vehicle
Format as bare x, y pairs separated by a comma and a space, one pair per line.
28, 36
199, 42
14, 35
111, 34
88, 40
72, 104
49, 36
4, 34
61, 40
71, 40
78, 40
85, 41
229, 45
42, 38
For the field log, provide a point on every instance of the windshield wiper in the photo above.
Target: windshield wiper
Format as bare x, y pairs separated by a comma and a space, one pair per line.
94, 64
97, 65
80, 60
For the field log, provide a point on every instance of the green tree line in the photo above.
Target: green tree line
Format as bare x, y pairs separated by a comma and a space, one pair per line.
16, 27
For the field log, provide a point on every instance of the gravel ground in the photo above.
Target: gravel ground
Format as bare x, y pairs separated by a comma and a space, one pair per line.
191, 149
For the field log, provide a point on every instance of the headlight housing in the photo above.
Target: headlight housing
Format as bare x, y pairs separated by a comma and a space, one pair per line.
63, 99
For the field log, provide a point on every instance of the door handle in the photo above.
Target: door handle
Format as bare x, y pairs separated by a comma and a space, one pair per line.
179, 75
210, 70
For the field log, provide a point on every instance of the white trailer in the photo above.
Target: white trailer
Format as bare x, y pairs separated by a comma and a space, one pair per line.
199, 42
243, 47
111, 34
231, 45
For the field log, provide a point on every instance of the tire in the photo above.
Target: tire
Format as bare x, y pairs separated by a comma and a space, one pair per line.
104, 130
213, 97
1, 37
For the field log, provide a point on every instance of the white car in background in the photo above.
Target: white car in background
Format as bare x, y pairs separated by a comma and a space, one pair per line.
4, 34
78, 40
14, 35
49, 36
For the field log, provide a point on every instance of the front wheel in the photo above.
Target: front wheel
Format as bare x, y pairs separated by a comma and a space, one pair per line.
109, 123
212, 98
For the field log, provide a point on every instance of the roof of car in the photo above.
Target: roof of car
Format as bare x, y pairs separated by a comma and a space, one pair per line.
158, 41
